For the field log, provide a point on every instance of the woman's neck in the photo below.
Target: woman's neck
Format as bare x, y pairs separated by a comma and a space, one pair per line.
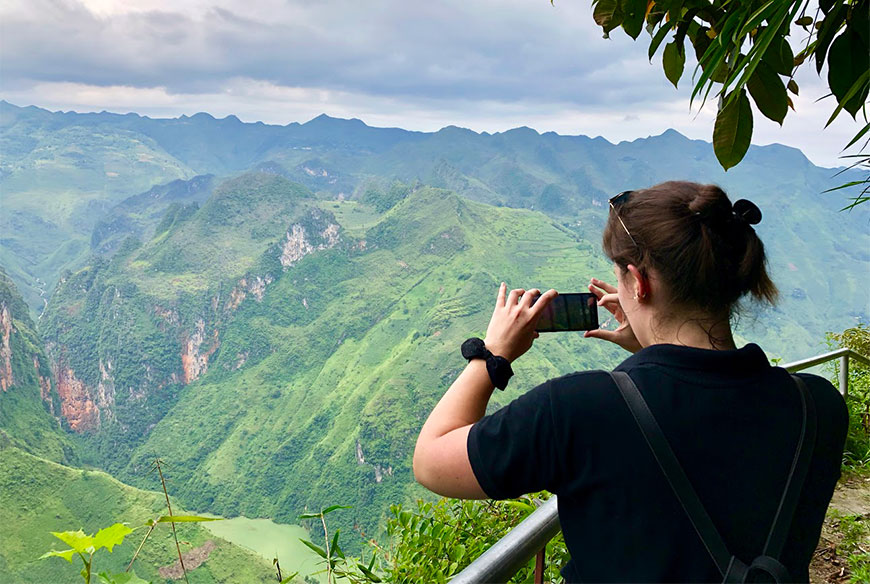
700, 331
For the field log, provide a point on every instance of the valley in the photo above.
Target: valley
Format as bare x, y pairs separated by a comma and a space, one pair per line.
273, 310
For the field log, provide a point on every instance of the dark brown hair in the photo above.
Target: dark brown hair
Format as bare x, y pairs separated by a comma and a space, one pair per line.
707, 257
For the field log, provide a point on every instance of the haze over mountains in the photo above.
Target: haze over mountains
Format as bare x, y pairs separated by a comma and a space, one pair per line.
274, 309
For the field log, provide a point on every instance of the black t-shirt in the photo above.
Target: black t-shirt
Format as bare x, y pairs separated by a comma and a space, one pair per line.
733, 422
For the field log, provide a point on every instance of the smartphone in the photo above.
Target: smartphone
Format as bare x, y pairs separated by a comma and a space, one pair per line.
569, 312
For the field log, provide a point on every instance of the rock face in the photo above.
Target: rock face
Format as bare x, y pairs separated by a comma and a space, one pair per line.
6, 379
194, 360
192, 560
300, 240
76, 404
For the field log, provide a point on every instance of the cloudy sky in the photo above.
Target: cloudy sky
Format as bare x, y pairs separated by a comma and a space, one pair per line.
488, 65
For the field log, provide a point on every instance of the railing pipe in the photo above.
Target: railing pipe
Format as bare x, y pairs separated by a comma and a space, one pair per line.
504, 559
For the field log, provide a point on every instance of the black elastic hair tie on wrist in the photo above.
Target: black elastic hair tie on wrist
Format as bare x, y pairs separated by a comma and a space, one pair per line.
499, 368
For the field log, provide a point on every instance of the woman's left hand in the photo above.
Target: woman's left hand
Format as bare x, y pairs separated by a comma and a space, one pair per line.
511, 329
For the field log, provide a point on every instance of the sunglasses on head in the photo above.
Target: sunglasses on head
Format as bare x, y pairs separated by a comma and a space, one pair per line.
617, 201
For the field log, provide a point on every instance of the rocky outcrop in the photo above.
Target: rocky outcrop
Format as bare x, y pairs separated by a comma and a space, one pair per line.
254, 285
298, 242
6, 379
194, 360
44, 384
192, 560
76, 404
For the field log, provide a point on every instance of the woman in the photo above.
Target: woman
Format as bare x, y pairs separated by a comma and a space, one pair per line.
683, 257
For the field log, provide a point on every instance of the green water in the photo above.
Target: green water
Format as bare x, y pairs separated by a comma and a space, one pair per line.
270, 540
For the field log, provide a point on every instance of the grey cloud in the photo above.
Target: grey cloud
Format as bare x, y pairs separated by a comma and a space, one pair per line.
491, 50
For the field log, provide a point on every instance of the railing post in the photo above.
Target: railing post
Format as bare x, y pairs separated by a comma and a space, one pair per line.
844, 374
540, 565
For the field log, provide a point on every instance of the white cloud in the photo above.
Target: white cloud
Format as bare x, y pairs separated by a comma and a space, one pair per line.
489, 65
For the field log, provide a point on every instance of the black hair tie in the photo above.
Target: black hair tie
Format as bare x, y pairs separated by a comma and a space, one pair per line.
499, 368
747, 212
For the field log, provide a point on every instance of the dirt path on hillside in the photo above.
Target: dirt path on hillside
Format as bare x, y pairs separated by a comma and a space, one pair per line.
852, 497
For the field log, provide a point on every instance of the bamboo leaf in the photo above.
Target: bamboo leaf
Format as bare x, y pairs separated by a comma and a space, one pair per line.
368, 573
673, 61
316, 548
332, 508
309, 516
858, 136
732, 131
658, 38
768, 92
793, 86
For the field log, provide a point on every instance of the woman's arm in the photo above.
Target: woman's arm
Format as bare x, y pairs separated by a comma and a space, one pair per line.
441, 457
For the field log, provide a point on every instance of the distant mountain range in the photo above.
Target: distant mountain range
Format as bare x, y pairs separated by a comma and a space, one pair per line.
274, 309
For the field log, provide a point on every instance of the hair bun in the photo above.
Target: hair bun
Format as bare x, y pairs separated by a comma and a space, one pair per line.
747, 211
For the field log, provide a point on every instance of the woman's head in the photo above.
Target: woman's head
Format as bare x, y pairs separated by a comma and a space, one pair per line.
703, 251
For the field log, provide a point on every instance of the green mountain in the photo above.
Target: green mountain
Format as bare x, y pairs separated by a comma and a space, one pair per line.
40, 493
279, 330
299, 377
30, 406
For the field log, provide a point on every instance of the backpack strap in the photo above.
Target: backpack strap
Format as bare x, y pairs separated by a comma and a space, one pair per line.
674, 472
800, 466
731, 568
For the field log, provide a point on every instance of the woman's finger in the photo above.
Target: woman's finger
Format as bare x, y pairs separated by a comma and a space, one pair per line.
514, 296
610, 302
597, 291
604, 286
500, 297
542, 302
529, 297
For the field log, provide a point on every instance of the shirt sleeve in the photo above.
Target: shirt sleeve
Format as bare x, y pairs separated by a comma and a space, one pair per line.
513, 451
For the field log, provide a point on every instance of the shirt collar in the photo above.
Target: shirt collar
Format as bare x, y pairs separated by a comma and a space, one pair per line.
745, 360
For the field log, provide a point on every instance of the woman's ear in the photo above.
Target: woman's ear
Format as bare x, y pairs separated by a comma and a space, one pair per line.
639, 284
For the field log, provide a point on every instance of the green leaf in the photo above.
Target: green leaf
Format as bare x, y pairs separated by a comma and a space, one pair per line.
779, 56
829, 29
673, 61
186, 519
309, 516
733, 130
66, 554
121, 578
370, 576
109, 537
660, 35
634, 12
607, 14
804, 21
317, 549
848, 59
77, 540
332, 508
289, 578
334, 543
793, 86
862, 81
768, 92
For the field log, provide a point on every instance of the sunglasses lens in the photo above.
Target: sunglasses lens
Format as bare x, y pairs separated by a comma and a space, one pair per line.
620, 198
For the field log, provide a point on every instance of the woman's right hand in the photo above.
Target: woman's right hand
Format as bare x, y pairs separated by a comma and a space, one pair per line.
623, 335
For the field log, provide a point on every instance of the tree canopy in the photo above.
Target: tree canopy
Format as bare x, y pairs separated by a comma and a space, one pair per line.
743, 52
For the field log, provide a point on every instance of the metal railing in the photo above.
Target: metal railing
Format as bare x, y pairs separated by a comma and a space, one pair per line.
529, 539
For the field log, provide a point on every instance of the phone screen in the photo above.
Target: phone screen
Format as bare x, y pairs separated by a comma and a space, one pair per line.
570, 312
